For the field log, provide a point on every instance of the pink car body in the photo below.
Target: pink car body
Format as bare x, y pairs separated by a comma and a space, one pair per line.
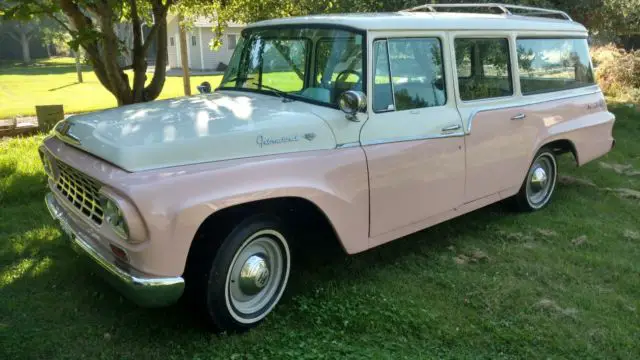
370, 192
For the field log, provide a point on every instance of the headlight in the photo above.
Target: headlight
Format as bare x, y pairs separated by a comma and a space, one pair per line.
47, 165
114, 217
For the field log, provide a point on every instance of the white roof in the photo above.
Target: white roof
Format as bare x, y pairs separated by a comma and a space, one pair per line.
430, 21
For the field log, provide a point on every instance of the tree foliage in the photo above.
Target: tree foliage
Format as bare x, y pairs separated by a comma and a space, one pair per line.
91, 24
621, 17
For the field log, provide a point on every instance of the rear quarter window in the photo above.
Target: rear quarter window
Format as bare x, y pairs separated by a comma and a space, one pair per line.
483, 68
547, 65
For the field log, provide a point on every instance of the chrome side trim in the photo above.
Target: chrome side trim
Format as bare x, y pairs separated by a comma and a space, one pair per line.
139, 288
348, 145
502, 107
413, 138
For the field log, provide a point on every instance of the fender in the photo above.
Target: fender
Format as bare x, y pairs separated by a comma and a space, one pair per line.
173, 202
336, 181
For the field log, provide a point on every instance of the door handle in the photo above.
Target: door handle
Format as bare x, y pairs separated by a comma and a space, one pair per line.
520, 116
451, 128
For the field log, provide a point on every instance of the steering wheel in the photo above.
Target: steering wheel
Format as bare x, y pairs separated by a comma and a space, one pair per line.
342, 77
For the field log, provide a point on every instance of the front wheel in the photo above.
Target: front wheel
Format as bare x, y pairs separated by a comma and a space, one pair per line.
538, 186
248, 274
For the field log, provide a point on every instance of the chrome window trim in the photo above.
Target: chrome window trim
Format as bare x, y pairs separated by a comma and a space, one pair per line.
348, 145
393, 87
510, 72
502, 107
412, 138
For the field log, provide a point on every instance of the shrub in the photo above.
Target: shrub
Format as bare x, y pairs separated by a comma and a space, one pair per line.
618, 72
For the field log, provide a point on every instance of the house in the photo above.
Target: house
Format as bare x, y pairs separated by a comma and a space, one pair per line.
201, 57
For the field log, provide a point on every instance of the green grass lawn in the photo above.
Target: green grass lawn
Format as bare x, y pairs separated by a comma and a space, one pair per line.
563, 282
54, 81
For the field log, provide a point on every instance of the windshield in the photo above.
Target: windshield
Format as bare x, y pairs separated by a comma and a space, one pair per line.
302, 63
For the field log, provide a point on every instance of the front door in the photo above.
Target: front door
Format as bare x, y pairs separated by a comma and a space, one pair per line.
413, 139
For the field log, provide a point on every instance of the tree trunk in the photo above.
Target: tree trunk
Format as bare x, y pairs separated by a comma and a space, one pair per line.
184, 57
48, 48
103, 51
26, 54
78, 67
152, 91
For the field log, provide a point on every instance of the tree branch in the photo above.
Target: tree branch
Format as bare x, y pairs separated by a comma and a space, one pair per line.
154, 29
138, 62
154, 88
82, 23
13, 36
137, 26
61, 23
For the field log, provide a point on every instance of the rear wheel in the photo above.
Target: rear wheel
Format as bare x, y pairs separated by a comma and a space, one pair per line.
246, 278
538, 186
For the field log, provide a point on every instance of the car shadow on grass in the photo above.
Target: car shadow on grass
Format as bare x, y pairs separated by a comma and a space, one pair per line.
44, 273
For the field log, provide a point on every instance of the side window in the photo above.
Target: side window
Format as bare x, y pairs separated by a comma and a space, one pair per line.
382, 92
483, 68
340, 56
409, 76
553, 64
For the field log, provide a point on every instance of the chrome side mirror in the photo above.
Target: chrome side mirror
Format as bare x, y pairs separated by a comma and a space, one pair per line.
351, 102
204, 88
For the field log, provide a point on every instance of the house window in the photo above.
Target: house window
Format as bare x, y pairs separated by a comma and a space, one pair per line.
193, 41
231, 41
171, 42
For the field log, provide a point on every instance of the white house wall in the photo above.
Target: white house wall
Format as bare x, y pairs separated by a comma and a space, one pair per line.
223, 53
172, 51
194, 50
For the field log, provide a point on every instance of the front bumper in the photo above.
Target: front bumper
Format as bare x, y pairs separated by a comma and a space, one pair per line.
138, 287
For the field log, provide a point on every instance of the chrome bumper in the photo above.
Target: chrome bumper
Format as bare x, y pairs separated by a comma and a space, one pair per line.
134, 285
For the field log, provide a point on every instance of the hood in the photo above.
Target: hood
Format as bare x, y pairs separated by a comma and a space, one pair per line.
219, 126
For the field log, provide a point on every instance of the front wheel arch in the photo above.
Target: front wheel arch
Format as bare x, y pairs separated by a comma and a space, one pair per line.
294, 211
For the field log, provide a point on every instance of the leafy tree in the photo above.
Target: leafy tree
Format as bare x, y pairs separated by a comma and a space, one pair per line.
54, 35
21, 31
92, 26
92, 23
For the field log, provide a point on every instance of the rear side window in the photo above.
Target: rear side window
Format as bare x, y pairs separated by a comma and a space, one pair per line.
483, 68
553, 64
408, 74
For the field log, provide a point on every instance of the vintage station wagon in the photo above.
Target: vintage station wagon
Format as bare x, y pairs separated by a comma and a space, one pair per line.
374, 125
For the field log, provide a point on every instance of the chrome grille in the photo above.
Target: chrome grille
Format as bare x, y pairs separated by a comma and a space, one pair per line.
80, 190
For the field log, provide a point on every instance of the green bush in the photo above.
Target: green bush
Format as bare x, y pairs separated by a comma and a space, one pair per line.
618, 72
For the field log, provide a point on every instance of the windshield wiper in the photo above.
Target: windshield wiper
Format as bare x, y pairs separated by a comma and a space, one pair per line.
239, 78
280, 93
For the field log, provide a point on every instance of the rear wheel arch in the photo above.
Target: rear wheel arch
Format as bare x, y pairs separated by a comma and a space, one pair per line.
559, 147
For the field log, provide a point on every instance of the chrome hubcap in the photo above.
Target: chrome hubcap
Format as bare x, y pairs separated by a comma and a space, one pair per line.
254, 275
257, 276
540, 181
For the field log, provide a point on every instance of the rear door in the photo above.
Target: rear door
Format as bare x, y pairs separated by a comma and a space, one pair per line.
413, 138
498, 137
